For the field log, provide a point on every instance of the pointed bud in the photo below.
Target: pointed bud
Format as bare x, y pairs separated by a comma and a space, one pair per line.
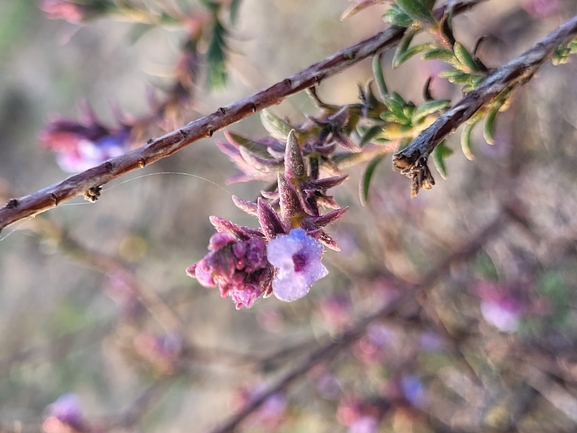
340, 118
327, 201
261, 164
246, 206
290, 204
294, 162
328, 182
329, 217
239, 232
269, 220
329, 242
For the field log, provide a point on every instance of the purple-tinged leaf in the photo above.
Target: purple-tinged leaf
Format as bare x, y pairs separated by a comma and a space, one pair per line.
269, 220
246, 206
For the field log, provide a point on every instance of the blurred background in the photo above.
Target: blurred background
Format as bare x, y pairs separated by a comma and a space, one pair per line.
102, 330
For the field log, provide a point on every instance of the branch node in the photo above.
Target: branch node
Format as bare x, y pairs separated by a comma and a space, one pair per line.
109, 166
253, 107
55, 198
183, 134
287, 82
210, 132
12, 203
92, 194
150, 141
142, 163
221, 111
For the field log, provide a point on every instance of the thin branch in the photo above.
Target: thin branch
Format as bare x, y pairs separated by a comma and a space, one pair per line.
89, 182
413, 159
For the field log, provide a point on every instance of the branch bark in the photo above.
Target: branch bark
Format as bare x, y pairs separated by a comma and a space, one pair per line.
412, 161
89, 182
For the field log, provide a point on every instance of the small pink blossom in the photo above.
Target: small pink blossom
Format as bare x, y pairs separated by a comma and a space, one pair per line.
80, 146
64, 415
297, 258
62, 10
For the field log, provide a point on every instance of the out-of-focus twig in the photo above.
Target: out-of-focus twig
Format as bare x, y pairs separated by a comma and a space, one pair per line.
556, 394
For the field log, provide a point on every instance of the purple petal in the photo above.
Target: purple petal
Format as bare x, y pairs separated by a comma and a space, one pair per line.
297, 258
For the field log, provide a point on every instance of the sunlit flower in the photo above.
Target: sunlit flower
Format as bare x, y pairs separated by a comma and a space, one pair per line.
64, 415
297, 258
504, 315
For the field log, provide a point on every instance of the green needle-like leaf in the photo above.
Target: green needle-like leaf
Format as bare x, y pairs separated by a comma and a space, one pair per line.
419, 11
367, 177
466, 139
439, 154
465, 58
234, 7
397, 17
379, 76
489, 126
401, 57
216, 56
428, 107
369, 134
274, 125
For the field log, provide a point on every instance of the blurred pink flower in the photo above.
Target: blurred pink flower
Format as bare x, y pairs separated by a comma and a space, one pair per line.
75, 11
541, 8
62, 10
80, 146
64, 415
161, 351
499, 306
503, 314
364, 424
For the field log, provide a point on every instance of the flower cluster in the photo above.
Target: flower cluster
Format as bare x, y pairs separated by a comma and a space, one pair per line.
85, 144
283, 256
237, 265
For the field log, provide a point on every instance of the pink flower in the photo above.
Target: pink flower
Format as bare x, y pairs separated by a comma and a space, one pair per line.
237, 266
81, 146
297, 258
64, 415
62, 9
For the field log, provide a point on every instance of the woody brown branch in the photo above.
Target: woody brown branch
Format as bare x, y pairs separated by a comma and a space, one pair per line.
412, 160
89, 182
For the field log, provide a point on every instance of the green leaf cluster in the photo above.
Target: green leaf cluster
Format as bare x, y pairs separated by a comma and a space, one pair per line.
389, 117
407, 13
